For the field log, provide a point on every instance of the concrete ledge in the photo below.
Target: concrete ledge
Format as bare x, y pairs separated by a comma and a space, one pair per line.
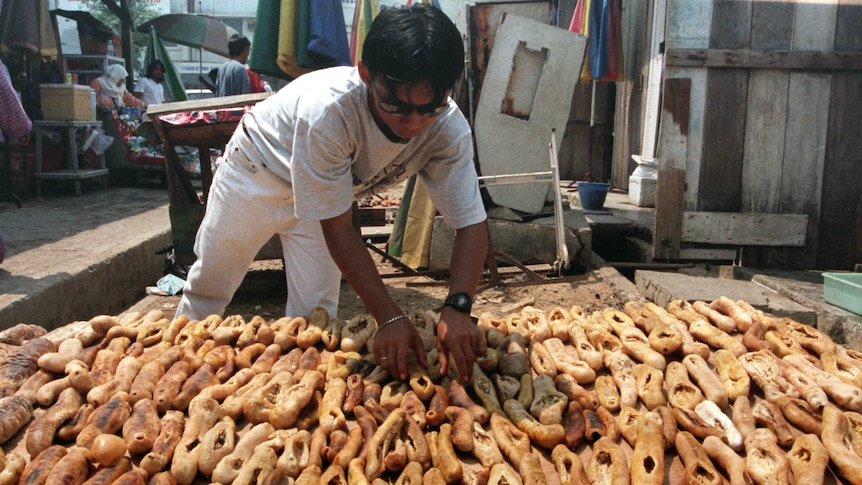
105, 287
100, 269
806, 288
661, 288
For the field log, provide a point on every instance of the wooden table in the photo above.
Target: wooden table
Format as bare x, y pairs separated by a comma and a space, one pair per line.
186, 206
71, 171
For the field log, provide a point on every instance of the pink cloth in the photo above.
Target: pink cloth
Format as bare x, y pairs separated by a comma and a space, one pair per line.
14, 122
205, 117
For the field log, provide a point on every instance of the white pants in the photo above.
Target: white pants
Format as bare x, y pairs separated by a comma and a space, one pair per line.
247, 205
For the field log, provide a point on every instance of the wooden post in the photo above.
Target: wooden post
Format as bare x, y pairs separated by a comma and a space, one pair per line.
670, 187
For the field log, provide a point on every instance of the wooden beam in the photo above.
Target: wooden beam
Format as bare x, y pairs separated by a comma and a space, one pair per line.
759, 59
224, 102
744, 228
670, 188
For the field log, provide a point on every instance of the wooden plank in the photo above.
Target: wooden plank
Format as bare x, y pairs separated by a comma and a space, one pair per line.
720, 174
207, 104
694, 148
708, 254
691, 25
720, 177
841, 210
805, 136
688, 24
744, 229
731, 26
848, 20
804, 154
772, 25
814, 26
670, 188
766, 116
763, 151
755, 59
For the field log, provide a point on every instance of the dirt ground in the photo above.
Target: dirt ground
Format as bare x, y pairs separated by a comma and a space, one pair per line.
263, 293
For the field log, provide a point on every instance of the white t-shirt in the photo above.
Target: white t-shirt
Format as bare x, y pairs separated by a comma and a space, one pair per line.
343, 155
153, 92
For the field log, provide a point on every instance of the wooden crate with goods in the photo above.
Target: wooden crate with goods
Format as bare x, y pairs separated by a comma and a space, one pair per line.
66, 102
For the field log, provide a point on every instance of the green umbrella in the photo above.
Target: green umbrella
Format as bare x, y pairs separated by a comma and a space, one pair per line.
173, 85
192, 30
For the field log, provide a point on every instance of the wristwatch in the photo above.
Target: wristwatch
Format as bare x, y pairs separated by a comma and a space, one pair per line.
460, 301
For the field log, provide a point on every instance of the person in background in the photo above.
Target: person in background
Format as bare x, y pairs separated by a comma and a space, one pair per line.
149, 88
232, 76
301, 158
111, 92
256, 84
14, 122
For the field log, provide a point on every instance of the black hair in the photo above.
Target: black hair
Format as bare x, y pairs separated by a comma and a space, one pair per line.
236, 44
412, 44
152, 67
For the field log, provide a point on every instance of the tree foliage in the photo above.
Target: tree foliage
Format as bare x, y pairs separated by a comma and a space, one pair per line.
142, 11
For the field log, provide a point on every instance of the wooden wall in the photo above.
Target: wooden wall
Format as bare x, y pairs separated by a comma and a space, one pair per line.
773, 126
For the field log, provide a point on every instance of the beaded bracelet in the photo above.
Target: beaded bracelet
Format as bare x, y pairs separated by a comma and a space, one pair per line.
391, 321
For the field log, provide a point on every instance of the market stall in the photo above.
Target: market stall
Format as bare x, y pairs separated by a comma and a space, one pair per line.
206, 124
701, 392
140, 152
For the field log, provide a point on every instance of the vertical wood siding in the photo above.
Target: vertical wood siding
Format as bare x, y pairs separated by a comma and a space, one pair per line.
770, 139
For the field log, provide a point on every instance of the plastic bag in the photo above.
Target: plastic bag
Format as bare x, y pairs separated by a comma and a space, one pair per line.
97, 141
647, 167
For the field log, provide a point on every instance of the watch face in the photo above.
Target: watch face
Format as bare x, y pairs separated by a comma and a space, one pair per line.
460, 302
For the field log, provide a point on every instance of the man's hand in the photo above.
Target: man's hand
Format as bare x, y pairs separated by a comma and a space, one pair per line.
392, 344
459, 336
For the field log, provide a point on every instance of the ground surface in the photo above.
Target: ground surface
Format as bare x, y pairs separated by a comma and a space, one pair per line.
263, 293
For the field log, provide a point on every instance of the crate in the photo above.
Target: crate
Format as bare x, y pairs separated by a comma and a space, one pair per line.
843, 290
65, 102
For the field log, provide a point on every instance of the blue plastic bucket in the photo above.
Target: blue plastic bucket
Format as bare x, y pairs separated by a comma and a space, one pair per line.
592, 194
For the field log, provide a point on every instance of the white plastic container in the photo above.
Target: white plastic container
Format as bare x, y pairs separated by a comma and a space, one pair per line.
642, 182
642, 191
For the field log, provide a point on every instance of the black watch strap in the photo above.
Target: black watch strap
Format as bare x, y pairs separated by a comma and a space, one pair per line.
460, 301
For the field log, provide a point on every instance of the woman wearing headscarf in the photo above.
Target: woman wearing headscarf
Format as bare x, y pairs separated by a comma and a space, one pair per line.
111, 92
111, 95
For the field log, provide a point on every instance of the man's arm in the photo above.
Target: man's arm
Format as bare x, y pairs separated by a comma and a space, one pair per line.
458, 336
353, 259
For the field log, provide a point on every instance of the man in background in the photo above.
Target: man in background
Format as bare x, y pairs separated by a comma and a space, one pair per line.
232, 77
149, 88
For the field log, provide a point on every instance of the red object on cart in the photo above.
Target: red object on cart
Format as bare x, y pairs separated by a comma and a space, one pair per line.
127, 133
